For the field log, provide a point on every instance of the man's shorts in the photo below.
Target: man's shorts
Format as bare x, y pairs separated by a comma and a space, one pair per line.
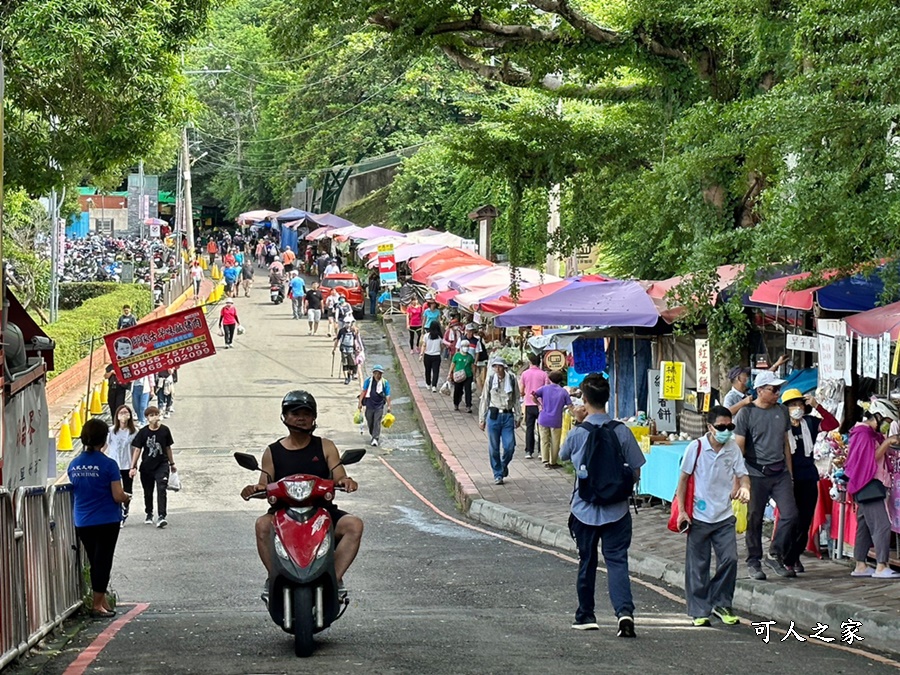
314, 315
228, 287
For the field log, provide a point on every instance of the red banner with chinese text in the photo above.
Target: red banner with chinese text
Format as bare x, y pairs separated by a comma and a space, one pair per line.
167, 342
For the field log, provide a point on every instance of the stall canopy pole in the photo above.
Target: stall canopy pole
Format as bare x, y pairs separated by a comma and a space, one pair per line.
634, 369
616, 376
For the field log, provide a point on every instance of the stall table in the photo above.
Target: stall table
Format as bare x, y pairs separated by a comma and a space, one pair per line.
659, 476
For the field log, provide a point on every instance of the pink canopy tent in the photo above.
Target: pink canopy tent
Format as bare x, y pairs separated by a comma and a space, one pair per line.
255, 216
371, 246
318, 233
659, 289
373, 231
440, 281
505, 302
876, 322
406, 252
499, 276
331, 220
774, 292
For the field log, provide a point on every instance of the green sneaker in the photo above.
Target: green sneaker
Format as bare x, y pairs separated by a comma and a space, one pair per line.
727, 617
702, 622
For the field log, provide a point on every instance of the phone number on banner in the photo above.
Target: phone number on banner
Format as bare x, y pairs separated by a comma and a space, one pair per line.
152, 362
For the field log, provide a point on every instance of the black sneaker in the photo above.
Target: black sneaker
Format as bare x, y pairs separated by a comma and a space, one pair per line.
754, 571
586, 625
506, 472
626, 627
799, 568
779, 568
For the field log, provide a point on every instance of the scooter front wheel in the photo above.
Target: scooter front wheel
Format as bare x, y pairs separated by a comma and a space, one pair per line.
304, 621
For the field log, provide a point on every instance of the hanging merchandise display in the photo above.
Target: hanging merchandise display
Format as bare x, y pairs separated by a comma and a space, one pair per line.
589, 355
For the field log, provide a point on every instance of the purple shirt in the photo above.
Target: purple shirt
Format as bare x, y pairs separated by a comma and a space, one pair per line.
554, 400
532, 379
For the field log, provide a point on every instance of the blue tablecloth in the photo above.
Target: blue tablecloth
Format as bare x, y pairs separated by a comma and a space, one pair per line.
659, 476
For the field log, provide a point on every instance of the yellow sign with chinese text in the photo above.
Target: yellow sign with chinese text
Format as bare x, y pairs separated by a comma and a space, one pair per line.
672, 384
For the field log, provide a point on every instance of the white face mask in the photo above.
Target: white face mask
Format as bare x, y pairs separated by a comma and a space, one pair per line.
796, 413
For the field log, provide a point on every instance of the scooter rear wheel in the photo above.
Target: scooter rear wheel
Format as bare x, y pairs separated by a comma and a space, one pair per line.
304, 622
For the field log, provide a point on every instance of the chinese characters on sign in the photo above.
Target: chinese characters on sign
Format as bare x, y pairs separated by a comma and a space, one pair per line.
704, 376
884, 362
659, 409
870, 357
803, 343
849, 632
387, 265
26, 429
555, 359
672, 385
168, 342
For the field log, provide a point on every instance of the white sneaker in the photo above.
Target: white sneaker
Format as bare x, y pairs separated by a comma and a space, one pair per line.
375, 442
161, 523
434, 390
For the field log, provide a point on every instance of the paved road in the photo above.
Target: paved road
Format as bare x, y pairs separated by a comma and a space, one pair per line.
429, 595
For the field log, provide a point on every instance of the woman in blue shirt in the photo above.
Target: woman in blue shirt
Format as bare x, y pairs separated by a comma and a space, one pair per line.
98, 495
431, 314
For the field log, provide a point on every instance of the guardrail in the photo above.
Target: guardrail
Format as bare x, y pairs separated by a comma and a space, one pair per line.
41, 582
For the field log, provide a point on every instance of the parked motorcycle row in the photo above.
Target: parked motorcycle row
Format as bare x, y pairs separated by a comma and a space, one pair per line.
98, 258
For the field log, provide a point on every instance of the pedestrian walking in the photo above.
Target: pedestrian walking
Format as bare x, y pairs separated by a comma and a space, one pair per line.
116, 391
152, 453
804, 430
297, 288
500, 414
261, 253
532, 379
431, 355
451, 337
414, 323
141, 391
127, 320
593, 524
230, 275
196, 278
348, 341
331, 268
314, 302
331, 310
211, 249
374, 397
763, 431
869, 480
98, 495
715, 462
165, 389
228, 322
553, 400
121, 435
288, 258
247, 277
479, 352
431, 313
462, 374
373, 285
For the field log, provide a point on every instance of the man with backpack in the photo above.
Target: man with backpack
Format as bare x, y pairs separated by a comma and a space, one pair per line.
607, 463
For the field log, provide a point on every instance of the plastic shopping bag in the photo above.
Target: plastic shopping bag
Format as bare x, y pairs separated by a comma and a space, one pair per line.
740, 515
445, 388
357, 417
174, 483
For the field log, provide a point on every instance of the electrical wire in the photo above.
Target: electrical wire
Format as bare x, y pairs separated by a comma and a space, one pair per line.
299, 59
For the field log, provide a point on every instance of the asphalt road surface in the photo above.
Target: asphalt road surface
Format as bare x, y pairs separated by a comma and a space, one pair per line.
430, 593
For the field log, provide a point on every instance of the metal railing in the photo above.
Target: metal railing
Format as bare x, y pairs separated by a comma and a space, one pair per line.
40, 566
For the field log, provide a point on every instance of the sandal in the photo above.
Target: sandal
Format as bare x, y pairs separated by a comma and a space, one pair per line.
102, 614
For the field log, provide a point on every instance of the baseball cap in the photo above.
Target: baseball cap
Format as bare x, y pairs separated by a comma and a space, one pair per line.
768, 379
736, 372
499, 361
377, 368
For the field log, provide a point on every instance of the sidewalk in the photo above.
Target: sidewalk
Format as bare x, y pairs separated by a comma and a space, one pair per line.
534, 501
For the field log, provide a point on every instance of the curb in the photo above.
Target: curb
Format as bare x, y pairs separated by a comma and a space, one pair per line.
772, 599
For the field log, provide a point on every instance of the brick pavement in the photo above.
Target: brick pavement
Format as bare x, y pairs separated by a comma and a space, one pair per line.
543, 496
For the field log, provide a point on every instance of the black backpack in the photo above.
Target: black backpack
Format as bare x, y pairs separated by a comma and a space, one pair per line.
610, 479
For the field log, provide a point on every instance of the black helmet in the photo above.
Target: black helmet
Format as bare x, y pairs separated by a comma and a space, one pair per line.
299, 399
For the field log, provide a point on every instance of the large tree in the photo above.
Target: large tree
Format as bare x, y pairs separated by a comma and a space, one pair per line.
91, 85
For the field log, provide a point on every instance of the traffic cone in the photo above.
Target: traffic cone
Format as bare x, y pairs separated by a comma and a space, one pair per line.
104, 392
96, 406
75, 424
64, 442
215, 272
203, 265
82, 412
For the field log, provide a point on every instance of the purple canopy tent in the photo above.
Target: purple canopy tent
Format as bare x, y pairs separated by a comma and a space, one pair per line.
331, 220
612, 303
373, 231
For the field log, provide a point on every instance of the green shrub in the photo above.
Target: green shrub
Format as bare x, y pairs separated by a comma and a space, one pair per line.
95, 317
76, 293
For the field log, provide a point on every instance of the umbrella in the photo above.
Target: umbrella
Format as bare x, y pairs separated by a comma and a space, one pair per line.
260, 214
613, 303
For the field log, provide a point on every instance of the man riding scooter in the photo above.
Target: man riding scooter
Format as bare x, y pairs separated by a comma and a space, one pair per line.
301, 452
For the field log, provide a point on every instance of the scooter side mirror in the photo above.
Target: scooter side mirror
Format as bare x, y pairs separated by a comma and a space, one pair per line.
247, 461
353, 456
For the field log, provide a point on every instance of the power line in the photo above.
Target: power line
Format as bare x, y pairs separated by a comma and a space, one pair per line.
299, 59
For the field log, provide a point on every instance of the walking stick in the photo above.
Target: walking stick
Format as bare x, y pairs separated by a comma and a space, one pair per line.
332, 363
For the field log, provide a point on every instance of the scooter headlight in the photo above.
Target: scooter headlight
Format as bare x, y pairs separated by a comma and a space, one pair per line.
324, 546
280, 550
299, 490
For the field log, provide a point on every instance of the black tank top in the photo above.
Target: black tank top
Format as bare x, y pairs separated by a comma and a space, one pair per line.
310, 460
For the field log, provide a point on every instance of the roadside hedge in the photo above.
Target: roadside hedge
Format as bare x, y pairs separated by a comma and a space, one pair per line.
95, 317
72, 295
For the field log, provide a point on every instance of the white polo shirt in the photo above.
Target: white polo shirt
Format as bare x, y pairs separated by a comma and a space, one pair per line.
714, 475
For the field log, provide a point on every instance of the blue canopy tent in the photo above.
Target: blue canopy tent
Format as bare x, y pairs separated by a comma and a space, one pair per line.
853, 294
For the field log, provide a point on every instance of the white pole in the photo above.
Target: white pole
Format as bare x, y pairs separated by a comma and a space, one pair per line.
140, 209
54, 258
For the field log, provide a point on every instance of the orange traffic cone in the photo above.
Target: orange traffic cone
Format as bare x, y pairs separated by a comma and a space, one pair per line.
64, 442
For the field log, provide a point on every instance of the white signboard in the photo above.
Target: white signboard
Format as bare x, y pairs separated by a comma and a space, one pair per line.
704, 375
884, 352
870, 357
803, 343
833, 363
25, 437
661, 410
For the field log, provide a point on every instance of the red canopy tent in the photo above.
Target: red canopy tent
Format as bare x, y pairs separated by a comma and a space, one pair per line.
442, 260
774, 292
876, 322
441, 254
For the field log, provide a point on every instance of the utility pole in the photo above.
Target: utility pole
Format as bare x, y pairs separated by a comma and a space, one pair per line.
140, 208
188, 205
54, 259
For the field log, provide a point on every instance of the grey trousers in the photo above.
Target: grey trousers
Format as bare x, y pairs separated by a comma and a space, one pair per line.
781, 488
701, 592
873, 528
373, 420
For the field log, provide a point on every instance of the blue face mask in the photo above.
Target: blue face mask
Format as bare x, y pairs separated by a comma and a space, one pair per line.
724, 436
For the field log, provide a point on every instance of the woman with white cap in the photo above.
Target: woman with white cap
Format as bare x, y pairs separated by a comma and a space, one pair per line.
350, 345
375, 395
228, 322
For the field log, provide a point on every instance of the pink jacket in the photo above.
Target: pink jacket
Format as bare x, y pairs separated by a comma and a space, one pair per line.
860, 467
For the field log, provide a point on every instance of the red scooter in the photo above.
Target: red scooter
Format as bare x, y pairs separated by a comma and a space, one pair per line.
303, 590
